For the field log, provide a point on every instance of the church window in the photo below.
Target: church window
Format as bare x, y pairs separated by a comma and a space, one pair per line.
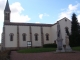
65, 20
11, 36
24, 36
47, 36
36, 37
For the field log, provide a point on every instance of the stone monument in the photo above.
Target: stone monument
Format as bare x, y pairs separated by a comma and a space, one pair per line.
68, 48
59, 40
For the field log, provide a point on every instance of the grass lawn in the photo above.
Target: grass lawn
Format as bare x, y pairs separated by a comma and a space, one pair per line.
76, 48
36, 50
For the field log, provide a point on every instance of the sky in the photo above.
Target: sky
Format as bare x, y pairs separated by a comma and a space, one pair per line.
39, 11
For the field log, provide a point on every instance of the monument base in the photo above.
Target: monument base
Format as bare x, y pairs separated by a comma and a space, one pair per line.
68, 49
60, 50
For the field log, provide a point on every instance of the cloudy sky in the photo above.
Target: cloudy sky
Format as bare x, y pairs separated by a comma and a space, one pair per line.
39, 11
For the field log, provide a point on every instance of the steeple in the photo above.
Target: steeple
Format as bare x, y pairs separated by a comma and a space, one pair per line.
7, 12
7, 9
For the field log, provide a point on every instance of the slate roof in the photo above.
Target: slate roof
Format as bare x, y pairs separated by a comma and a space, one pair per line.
28, 24
7, 9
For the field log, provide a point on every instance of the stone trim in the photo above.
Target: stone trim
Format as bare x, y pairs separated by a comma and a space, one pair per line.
30, 34
11, 34
42, 37
24, 34
18, 36
3, 37
47, 34
36, 34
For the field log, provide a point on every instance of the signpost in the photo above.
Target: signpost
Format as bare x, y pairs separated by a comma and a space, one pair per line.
28, 44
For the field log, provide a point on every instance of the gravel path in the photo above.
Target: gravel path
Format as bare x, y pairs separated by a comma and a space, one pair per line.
45, 56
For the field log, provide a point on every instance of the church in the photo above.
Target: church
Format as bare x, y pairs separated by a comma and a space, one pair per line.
23, 35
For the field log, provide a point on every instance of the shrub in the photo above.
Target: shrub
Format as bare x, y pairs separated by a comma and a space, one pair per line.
50, 45
5, 55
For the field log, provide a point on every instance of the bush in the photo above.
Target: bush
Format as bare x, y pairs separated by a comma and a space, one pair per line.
5, 55
50, 45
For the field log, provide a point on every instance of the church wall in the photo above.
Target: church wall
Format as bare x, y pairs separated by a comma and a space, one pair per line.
54, 32
36, 29
8, 30
47, 30
64, 24
23, 29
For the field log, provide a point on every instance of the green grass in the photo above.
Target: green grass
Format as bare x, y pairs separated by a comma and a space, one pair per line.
36, 50
76, 48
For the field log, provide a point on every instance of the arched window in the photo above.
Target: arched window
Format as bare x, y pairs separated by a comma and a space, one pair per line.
36, 37
67, 30
66, 20
47, 36
24, 36
11, 36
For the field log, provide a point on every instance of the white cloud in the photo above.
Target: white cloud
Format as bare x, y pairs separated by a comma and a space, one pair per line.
16, 7
41, 15
71, 7
68, 12
16, 13
45, 14
37, 22
16, 10
15, 17
78, 18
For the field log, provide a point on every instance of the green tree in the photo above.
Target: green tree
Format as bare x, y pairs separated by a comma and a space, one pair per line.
74, 37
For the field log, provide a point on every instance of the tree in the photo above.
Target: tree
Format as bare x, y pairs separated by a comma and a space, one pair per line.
74, 37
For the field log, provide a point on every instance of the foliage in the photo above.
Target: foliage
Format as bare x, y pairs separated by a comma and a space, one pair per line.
50, 45
75, 36
76, 48
5, 55
36, 50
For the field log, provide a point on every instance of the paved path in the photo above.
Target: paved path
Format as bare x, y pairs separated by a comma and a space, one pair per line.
45, 56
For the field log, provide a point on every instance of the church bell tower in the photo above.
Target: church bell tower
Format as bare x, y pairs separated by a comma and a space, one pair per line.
7, 12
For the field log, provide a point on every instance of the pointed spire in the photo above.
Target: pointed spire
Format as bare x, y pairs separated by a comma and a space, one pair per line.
7, 9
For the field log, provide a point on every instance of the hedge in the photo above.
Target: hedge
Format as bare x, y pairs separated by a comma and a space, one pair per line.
50, 45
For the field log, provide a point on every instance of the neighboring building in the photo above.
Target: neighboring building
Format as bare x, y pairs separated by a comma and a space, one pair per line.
16, 35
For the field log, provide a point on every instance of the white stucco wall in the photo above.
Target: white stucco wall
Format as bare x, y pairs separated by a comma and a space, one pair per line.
47, 30
64, 24
36, 29
8, 30
24, 29
54, 32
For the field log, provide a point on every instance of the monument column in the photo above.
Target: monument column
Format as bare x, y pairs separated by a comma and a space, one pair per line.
59, 39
